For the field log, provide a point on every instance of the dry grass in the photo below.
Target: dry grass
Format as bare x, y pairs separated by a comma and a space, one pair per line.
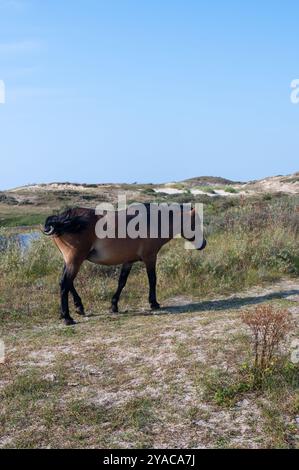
179, 378
141, 380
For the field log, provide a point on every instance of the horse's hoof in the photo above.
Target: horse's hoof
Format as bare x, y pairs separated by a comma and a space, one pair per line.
114, 308
69, 321
80, 311
155, 306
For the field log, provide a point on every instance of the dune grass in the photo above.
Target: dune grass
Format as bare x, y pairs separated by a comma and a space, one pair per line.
246, 246
141, 380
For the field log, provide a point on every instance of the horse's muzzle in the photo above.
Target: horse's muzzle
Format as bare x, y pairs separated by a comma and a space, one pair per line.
49, 230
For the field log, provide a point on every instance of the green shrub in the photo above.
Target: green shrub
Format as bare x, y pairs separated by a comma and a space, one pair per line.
230, 189
247, 244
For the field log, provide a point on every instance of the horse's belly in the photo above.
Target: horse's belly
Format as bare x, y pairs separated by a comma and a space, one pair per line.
112, 252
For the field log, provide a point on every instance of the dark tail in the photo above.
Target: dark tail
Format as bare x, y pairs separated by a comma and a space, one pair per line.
70, 221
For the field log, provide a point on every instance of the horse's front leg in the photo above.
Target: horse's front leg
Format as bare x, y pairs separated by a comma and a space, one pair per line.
66, 285
77, 301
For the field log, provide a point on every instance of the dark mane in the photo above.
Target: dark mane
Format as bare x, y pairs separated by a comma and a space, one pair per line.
73, 220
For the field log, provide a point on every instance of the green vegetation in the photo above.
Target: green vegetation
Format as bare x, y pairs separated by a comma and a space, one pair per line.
280, 381
22, 220
246, 246
230, 189
182, 377
206, 189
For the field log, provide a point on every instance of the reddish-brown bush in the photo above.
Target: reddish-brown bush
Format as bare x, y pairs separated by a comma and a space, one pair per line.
269, 326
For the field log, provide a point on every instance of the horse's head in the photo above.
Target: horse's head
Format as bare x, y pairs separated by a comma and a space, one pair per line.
71, 221
50, 226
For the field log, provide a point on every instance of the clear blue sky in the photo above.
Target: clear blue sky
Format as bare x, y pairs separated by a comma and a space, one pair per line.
147, 91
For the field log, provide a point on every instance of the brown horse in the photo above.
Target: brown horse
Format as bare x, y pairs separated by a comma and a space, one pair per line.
74, 233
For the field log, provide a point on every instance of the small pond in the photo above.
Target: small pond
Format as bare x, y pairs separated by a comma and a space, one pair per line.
23, 239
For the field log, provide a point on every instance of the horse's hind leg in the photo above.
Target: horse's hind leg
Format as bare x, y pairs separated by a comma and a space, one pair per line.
124, 273
152, 280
